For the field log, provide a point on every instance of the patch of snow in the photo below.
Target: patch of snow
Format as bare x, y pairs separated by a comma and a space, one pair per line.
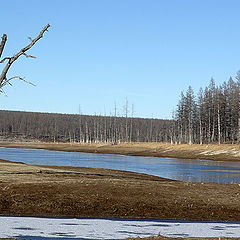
110, 228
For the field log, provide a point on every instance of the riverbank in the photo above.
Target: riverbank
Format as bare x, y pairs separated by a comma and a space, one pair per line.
30, 190
223, 152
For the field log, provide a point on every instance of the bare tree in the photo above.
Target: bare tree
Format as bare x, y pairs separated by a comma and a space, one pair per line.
125, 108
4, 80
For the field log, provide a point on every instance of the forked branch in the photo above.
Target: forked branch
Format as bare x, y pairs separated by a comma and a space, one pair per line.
10, 60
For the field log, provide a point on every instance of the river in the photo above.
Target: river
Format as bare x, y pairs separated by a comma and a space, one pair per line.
189, 170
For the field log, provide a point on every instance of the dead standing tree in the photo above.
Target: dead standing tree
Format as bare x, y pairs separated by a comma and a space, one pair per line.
4, 80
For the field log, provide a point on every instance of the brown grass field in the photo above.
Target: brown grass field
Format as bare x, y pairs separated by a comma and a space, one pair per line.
88, 192
30, 190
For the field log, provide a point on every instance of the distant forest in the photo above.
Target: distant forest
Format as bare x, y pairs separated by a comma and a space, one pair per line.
15, 125
213, 116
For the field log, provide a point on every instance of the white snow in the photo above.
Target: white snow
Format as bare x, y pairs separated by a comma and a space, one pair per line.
111, 229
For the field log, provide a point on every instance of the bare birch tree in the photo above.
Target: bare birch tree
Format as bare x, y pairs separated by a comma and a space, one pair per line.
4, 80
125, 108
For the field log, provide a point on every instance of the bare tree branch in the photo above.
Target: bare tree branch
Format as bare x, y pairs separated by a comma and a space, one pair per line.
28, 56
30, 39
8, 81
4, 59
2, 44
1, 91
3, 77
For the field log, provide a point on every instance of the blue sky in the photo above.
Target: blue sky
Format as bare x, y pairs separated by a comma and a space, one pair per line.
98, 52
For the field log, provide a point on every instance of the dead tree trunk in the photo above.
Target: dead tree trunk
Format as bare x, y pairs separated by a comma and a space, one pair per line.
2, 44
4, 80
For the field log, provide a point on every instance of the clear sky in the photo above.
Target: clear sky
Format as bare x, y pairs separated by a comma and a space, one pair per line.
98, 52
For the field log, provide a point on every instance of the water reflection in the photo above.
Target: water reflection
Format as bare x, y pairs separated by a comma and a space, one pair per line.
190, 170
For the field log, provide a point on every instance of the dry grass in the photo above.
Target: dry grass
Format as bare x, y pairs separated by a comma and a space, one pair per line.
89, 192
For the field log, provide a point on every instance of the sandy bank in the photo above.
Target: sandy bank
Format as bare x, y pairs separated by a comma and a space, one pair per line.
224, 152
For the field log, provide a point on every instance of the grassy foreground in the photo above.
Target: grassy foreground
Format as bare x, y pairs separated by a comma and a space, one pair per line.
30, 190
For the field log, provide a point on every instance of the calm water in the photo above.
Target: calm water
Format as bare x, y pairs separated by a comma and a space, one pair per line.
180, 169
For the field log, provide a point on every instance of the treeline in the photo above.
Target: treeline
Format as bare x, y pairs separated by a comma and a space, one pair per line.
81, 128
211, 116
